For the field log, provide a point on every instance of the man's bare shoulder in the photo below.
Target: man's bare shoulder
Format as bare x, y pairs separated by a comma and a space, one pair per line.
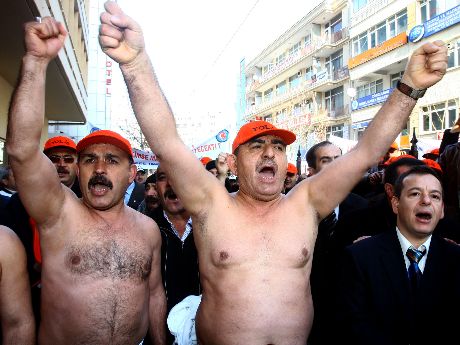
10, 245
146, 224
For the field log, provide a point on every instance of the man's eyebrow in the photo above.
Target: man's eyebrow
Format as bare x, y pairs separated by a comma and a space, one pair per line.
278, 141
256, 140
325, 157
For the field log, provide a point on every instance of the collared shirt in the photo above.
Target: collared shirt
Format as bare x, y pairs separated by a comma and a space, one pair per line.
129, 192
188, 228
7, 192
405, 244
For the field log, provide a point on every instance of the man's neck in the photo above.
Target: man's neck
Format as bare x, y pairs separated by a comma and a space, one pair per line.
179, 220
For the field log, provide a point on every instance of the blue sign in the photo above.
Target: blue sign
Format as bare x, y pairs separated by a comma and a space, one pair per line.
436, 24
371, 100
222, 136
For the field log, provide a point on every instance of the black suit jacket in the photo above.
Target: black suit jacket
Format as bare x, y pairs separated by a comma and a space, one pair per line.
375, 303
137, 195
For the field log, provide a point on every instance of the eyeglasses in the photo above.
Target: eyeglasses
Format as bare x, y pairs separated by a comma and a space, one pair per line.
57, 159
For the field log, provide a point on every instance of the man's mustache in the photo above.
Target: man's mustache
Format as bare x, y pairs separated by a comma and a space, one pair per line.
100, 180
62, 170
169, 194
151, 199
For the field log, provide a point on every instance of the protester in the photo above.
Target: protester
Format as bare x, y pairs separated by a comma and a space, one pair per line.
254, 243
62, 152
151, 201
387, 297
141, 176
179, 259
291, 178
101, 278
16, 318
7, 182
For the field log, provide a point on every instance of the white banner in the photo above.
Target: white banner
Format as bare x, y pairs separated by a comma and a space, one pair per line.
145, 159
212, 146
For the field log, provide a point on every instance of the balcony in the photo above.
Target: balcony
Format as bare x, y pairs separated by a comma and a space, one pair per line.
339, 112
324, 81
322, 46
368, 10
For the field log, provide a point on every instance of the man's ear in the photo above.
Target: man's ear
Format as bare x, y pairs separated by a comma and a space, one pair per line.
77, 172
389, 190
311, 171
232, 165
395, 204
132, 173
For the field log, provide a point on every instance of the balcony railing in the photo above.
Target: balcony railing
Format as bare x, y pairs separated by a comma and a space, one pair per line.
337, 112
317, 43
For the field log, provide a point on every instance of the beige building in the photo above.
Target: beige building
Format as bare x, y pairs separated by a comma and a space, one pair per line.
330, 73
300, 81
382, 40
66, 85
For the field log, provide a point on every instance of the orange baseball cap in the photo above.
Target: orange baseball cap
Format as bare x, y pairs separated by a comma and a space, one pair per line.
292, 169
59, 141
394, 146
432, 164
105, 137
256, 129
395, 158
205, 160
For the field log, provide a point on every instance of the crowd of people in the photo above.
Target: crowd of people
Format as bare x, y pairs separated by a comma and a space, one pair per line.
93, 250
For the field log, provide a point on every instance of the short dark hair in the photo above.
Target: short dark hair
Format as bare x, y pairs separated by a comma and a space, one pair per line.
311, 153
151, 179
391, 172
415, 170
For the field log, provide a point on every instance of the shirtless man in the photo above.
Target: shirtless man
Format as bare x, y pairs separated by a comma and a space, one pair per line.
101, 279
16, 317
255, 246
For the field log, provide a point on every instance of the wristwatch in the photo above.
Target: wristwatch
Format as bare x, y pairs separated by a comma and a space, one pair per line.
408, 91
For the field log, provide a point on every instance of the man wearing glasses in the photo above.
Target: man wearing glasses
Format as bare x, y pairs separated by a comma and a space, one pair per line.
62, 152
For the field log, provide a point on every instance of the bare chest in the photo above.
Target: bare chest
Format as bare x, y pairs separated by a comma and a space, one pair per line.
104, 252
275, 240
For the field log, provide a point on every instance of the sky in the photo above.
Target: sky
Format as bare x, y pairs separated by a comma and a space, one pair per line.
196, 46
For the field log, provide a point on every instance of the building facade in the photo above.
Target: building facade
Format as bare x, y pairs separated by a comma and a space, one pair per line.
330, 72
300, 81
100, 74
66, 85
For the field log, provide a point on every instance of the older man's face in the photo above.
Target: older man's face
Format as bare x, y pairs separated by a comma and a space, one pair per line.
65, 161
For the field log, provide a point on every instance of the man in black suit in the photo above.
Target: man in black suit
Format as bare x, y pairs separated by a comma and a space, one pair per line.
386, 298
318, 157
134, 194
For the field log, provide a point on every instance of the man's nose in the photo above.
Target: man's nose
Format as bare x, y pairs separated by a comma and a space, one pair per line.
269, 151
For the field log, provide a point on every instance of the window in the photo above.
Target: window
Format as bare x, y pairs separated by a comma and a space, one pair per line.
428, 9
268, 95
308, 73
395, 77
370, 88
380, 33
268, 118
294, 81
334, 101
280, 59
267, 68
358, 4
454, 54
307, 40
281, 88
294, 49
297, 109
439, 116
336, 131
334, 62
281, 115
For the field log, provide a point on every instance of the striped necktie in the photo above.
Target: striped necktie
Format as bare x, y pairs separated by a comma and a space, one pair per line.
414, 273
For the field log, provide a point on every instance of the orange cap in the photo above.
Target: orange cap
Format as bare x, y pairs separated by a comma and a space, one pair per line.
256, 129
395, 158
292, 169
205, 160
59, 141
432, 164
105, 137
394, 146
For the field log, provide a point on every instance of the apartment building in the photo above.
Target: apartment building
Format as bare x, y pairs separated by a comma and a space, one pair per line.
300, 81
66, 86
383, 35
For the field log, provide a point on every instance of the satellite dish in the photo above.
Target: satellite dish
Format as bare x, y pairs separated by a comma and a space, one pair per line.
351, 92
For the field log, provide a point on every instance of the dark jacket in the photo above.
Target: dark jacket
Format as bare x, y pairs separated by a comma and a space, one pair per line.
137, 195
450, 164
376, 305
179, 263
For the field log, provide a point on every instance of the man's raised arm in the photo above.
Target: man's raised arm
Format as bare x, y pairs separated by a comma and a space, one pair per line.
121, 38
426, 67
36, 177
